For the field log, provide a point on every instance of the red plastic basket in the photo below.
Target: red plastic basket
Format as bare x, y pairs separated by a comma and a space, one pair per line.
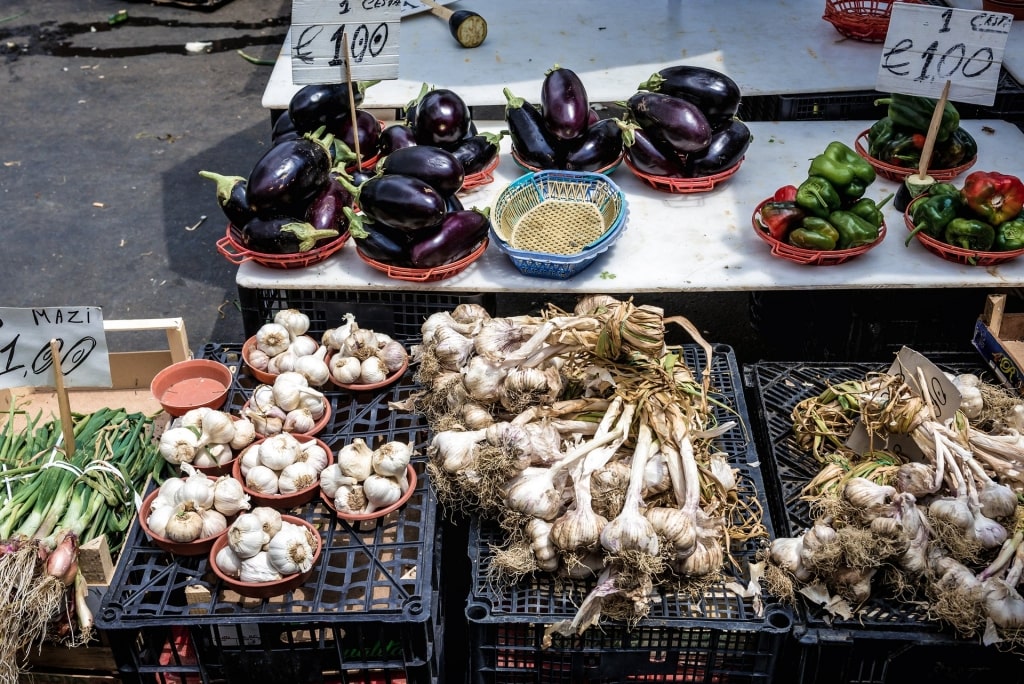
957, 255
425, 275
230, 247
683, 186
864, 20
898, 173
812, 257
606, 170
370, 163
481, 177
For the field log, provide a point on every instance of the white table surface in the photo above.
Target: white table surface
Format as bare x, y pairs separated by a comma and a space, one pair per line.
768, 47
702, 242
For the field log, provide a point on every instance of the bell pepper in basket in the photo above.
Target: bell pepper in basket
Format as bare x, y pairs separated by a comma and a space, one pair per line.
1009, 236
943, 188
960, 148
853, 230
818, 197
995, 197
915, 112
932, 214
814, 233
847, 171
778, 218
970, 234
869, 210
894, 144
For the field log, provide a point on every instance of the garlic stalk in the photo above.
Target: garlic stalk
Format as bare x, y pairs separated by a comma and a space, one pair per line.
630, 530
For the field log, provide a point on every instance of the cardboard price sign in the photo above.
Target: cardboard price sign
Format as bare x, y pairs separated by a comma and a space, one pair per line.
330, 39
26, 359
926, 46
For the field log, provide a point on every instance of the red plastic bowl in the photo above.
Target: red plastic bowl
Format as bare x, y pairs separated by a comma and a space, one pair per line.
192, 384
813, 257
198, 547
425, 275
263, 376
957, 255
356, 517
281, 501
231, 248
683, 186
391, 379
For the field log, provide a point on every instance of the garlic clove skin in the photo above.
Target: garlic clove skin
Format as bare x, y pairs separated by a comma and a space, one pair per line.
247, 534
179, 445
394, 355
355, 460
304, 346
380, 492
245, 434
184, 525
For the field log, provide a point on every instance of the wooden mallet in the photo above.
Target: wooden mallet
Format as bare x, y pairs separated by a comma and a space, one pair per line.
468, 28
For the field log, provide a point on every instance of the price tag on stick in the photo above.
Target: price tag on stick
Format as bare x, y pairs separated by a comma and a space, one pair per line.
928, 46
35, 341
321, 54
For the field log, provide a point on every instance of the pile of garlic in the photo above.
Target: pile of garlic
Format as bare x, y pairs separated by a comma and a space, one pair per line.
289, 405
284, 346
364, 480
281, 464
195, 507
205, 438
360, 356
262, 547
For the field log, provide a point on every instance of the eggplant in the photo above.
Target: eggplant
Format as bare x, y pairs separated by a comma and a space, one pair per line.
458, 235
367, 127
678, 122
564, 103
597, 148
410, 108
442, 118
530, 139
327, 210
282, 235
453, 203
288, 176
648, 157
713, 92
231, 197
283, 129
433, 165
395, 137
323, 104
477, 151
725, 151
383, 243
404, 202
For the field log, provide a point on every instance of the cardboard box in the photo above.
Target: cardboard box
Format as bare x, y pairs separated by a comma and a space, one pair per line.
999, 338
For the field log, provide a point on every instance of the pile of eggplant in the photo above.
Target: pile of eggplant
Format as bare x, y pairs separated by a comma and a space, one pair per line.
409, 213
564, 133
440, 118
682, 124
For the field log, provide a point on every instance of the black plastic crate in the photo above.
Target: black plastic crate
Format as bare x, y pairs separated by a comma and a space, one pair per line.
396, 313
887, 641
716, 636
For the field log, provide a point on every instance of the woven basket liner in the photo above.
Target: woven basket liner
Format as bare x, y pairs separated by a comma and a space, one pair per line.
541, 217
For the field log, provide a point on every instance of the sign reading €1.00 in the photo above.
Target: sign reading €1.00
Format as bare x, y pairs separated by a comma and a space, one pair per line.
928, 45
25, 358
326, 35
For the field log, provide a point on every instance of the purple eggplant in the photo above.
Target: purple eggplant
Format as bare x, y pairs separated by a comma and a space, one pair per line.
282, 235
598, 147
725, 151
231, 197
327, 210
283, 129
400, 201
367, 127
410, 108
395, 137
564, 103
287, 177
383, 243
477, 151
442, 118
453, 203
433, 165
458, 235
646, 156
717, 95
678, 122
530, 139
322, 104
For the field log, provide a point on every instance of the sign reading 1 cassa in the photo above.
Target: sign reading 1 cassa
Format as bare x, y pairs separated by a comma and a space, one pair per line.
929, 45
25, 359
319, 33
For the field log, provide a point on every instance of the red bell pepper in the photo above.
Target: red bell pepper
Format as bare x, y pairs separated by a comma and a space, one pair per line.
779, 218
995, 197
787, 193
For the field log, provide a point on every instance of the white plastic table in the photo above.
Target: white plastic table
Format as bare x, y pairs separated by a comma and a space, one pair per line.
701, 242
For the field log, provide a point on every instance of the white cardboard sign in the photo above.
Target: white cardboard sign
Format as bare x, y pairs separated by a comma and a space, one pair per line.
928, 45
25, 334
327, 34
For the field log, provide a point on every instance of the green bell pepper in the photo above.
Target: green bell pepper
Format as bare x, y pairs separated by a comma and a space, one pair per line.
936, 189
817, 197
1009, 236
854, 231
932, 214
870, 210
970, 234
841, 166
896, 145
915, 112
814, 233
960, 147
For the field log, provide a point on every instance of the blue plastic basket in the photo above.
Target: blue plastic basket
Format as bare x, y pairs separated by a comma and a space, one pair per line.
532, 189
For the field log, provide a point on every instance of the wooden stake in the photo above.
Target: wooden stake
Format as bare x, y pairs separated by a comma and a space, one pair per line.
66, 426
351, 99
933, 129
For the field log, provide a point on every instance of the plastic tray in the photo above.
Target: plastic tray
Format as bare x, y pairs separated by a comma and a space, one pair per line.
231, 248
715, 636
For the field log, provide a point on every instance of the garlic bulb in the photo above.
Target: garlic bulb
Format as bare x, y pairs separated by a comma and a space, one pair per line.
393, 355
168, 489
331, 478
296, 477
391, 459
334, 338
246, 535
302, 347
193, 418
345, 369
314, 454
468, 312
213, 523
217, 428
245, 434
381, 492
178, 445
355, 460
296, 322
258, 359
300, 421
158, 518
184, 525
272, 339
257, 569
228, 496
350, 498
197, 491
289, 552
361, 343
279, 451
261, 480
372, 370
228, 562
314, 367
249, 458
271, 519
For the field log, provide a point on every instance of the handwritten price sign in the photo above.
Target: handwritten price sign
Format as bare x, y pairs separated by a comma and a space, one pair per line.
320, 52
25, 359
928, 45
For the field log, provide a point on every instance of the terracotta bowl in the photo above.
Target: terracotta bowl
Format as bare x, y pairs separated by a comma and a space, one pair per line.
391, 379
198, 547
317, 426
262, 590
191, 384
267, 378
281, 501
355, 517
